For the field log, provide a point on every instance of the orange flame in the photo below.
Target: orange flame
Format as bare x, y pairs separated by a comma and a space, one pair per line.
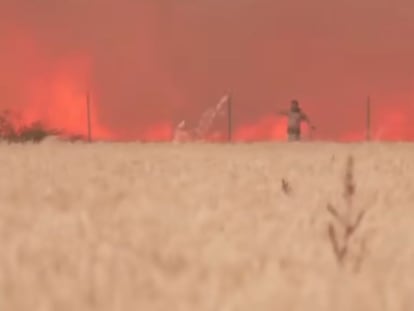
59, 99
55, 93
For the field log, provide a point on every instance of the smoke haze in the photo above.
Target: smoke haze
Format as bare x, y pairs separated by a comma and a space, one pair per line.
151, 63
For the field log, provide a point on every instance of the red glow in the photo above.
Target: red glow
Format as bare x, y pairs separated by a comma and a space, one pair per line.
59, 98
389, 123
267, 128
394, 124
158, 132
54, 91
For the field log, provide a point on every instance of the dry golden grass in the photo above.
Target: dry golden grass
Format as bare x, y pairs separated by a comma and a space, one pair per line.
202, 227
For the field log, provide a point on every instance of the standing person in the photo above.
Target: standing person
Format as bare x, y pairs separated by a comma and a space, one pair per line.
295, 117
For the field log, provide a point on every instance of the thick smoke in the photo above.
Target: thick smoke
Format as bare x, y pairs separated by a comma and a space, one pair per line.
152, 63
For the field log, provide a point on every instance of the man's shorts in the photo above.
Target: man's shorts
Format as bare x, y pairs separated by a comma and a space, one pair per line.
293, 134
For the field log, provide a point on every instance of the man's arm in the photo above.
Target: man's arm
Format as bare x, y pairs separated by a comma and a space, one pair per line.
307, 120
282, 113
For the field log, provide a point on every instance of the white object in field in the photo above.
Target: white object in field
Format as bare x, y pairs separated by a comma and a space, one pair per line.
181, 134
181, 124
221, 105
208, 117
52, 139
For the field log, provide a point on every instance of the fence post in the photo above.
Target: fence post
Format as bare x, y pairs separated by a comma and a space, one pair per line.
368, 119
229, 119
88, 114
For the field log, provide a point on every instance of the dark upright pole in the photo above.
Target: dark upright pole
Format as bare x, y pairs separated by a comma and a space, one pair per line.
88, 113
229, 119
368, 134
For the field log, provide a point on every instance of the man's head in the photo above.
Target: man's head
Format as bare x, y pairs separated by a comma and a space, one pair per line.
294, 105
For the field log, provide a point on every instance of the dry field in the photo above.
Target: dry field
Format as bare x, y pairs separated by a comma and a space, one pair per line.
205, 227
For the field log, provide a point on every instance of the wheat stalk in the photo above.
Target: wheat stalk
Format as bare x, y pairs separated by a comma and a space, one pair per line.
342, 230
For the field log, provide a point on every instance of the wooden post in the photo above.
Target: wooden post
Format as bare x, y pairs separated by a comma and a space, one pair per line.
88, 115
368, 120
229, 119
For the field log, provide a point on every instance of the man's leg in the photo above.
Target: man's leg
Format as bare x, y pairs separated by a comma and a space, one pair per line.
293, 137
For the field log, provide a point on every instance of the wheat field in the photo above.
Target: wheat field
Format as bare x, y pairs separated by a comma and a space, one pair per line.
129, 226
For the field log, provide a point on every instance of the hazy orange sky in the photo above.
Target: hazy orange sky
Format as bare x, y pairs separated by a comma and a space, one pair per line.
154, 61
